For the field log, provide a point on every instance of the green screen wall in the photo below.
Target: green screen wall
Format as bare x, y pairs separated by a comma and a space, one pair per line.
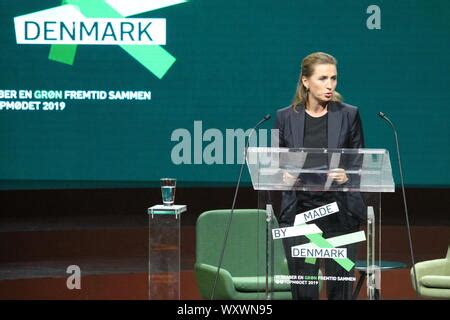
234, 62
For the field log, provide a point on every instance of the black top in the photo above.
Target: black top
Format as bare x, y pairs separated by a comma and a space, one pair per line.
316, 136
316, 130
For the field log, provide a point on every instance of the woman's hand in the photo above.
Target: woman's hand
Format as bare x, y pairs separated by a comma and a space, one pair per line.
289, 179
338, 175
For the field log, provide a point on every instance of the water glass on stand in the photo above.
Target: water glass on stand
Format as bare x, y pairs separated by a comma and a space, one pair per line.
168, 186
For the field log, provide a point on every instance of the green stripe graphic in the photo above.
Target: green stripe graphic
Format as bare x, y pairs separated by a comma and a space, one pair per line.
154, 58
321, 242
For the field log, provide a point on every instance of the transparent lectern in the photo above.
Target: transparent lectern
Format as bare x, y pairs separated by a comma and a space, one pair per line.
296, 172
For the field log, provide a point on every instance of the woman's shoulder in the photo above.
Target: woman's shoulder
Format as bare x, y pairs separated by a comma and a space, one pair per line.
344, 107
285, 111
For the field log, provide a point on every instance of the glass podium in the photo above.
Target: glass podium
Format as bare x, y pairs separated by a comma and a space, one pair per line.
290, 174
164, 252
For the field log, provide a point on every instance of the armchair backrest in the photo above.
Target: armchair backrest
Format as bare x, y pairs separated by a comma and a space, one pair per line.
245, 251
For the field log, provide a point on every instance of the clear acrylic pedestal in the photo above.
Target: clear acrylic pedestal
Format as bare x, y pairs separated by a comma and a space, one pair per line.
164, 252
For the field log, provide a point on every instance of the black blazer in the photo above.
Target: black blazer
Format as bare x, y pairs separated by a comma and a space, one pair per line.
344, 131
344, 126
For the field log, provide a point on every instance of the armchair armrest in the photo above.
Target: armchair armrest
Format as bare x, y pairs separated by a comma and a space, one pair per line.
206, 274
434, 281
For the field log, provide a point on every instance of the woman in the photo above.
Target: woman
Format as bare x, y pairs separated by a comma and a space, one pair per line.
318, 119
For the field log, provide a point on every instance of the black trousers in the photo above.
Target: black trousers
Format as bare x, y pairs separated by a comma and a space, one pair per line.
336, 290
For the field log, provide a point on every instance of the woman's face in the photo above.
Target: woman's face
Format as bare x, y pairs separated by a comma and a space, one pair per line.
321, 83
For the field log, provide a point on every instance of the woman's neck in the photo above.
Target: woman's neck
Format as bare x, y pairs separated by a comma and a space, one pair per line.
316, 109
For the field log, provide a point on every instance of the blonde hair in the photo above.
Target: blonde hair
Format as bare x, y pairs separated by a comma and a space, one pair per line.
306, 70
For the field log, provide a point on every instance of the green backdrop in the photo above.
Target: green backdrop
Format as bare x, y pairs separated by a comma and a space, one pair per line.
235, 62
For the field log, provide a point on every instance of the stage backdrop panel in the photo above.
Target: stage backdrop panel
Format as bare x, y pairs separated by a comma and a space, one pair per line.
174, 78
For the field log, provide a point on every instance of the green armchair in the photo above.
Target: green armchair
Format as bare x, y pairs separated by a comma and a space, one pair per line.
242, 274
433, 277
